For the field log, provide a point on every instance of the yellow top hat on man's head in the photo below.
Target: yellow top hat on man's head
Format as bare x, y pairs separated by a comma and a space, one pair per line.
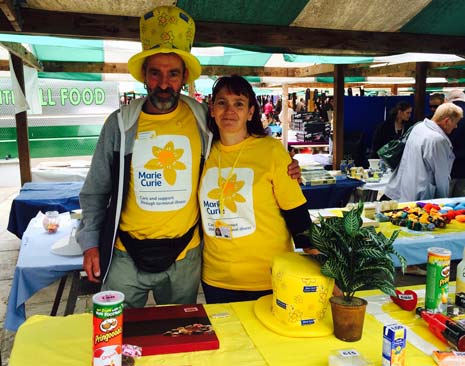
166, 29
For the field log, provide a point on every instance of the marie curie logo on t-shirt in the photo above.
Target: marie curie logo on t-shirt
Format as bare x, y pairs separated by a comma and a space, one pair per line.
237, 201
162, 167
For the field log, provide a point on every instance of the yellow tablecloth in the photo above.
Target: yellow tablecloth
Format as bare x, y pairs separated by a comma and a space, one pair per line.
66, 341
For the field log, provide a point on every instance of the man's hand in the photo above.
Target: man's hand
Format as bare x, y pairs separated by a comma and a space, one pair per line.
293, 170
92, 264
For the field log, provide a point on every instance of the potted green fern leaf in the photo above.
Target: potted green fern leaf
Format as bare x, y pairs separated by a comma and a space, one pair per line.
356, 257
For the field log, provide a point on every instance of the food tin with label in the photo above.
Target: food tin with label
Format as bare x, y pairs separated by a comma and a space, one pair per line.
437, 280
108, 328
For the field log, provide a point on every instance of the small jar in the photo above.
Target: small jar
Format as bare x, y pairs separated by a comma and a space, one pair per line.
51, 221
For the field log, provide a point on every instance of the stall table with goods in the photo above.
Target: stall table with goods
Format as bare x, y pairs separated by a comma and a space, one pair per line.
35, 197
432, 223
44, 257
414, 237
243, 339
38, 266
321, 189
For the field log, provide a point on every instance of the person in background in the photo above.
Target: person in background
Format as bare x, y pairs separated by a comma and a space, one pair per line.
396, 124
457, 137
268, 108
300, 106
424, 170
290, 112
139, 230
267, 119
435, 100
257, 207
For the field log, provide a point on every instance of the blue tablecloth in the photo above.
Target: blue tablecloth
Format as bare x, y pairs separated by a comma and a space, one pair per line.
415, 248
331, 195
37, 268
35, 197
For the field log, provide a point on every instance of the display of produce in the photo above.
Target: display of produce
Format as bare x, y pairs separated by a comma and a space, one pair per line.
422, 217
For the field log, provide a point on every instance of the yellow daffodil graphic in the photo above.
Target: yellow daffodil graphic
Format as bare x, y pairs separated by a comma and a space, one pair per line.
230, 189
166, 159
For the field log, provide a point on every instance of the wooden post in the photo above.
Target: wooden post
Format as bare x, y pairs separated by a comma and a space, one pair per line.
285, 123
22, 136
421, 69
192, 90
338, 116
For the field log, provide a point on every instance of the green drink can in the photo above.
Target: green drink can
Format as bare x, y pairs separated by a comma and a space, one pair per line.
437, 280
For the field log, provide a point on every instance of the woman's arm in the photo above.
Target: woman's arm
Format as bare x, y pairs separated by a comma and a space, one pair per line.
298, 222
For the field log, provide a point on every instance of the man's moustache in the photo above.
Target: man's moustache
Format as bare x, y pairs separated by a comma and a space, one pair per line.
170, 91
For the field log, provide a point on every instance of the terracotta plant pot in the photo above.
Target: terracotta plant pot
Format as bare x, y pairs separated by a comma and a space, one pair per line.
348, 318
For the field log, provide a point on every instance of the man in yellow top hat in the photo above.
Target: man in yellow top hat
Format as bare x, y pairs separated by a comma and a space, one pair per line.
139, 230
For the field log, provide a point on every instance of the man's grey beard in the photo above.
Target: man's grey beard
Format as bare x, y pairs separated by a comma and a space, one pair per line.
163, 104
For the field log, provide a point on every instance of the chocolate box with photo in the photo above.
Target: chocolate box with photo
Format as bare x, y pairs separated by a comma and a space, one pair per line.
169, 329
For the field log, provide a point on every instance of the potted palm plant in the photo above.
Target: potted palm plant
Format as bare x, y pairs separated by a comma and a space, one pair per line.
356, 257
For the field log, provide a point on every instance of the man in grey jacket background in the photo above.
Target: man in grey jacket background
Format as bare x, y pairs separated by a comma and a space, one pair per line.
424, 170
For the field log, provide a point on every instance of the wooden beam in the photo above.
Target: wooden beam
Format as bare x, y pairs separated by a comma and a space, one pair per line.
405, 70
284, 39
321, 69
90, 67
22, 136
19, 51
249, 71
95, 26
435, 65
420, 90
52, 66
100, 67
11, 14
408, 69
447, 73
326, 41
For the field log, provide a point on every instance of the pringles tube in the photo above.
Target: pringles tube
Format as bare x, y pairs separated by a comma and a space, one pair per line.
437, 280
108, 328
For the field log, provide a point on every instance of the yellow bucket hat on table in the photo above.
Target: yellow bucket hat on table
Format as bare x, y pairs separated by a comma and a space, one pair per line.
166, 29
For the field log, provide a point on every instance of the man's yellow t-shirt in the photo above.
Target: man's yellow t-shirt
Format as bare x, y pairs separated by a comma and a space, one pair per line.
162, 196
241, 241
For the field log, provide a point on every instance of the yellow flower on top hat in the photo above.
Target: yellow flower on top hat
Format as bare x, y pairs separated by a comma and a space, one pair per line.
166, 29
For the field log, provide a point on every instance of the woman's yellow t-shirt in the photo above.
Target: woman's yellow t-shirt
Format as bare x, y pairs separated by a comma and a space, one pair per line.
257, 188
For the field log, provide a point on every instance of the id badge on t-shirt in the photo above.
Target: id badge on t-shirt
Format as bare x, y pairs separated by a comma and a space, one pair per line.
223, 230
